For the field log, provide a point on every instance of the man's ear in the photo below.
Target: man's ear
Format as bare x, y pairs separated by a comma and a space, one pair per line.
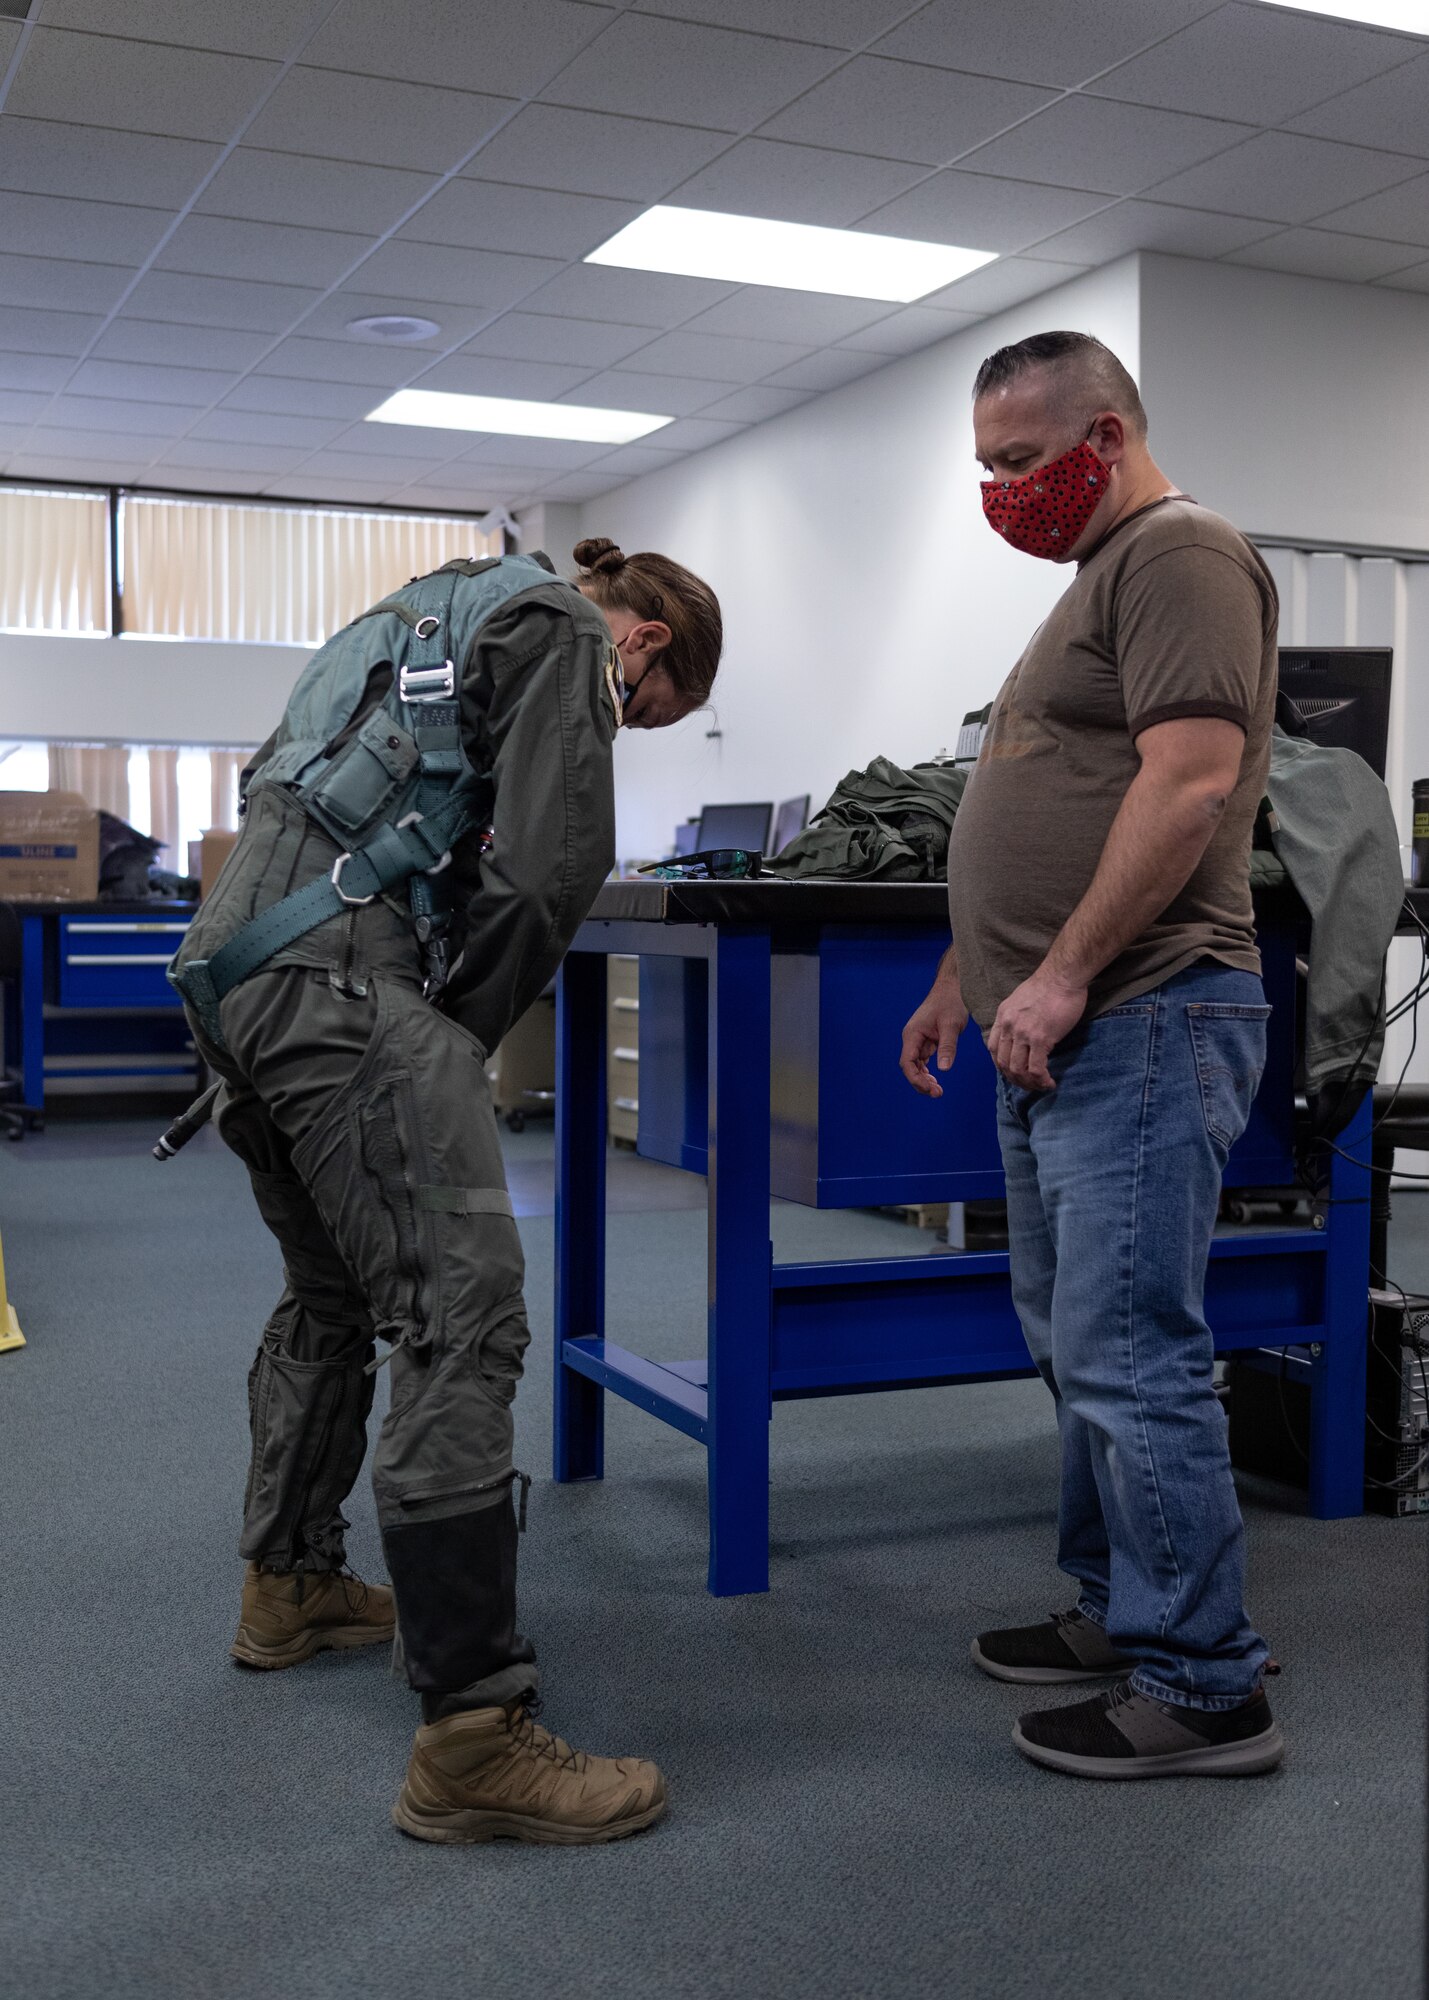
1108, 437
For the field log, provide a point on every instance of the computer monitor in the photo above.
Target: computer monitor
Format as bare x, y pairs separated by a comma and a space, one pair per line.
1341, 693
687, 837
735, 826
790, 819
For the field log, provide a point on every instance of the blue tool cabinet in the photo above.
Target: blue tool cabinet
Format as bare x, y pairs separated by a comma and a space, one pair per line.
91, 999
770, 1020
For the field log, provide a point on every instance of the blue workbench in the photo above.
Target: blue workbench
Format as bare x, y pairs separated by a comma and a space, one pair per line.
770, 1020
91, 999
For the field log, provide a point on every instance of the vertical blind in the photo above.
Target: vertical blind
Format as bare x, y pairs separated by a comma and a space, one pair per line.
54, 576
202, 569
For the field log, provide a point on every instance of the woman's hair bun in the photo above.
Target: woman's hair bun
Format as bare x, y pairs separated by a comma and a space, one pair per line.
599, 557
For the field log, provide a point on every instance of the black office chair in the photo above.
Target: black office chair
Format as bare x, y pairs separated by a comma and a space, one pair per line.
16, 1119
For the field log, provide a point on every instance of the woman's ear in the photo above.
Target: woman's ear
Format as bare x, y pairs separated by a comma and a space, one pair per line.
652, 635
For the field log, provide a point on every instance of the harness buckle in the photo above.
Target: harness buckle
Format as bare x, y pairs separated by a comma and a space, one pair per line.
353, 902
425, 627
437, 867
416, 684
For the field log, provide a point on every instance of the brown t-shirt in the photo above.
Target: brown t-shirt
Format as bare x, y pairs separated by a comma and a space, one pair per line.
1173, 614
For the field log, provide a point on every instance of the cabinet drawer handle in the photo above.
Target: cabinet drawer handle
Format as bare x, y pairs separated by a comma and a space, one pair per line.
625, 1006
116, 958
627, 1103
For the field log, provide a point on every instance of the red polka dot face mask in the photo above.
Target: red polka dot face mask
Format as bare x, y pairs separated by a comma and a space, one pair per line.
1045, 512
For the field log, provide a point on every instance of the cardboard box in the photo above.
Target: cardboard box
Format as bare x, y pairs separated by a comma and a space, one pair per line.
214, 850
49, 848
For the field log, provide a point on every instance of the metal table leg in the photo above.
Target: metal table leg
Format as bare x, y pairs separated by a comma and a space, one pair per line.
1337, 1385
740, 1263
579, 1404
32, 1010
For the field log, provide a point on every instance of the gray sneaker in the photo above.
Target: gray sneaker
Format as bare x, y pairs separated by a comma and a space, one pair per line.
1123, 1734
1065, 1647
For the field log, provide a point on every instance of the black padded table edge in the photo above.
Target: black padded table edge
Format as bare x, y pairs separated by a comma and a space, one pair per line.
153, 906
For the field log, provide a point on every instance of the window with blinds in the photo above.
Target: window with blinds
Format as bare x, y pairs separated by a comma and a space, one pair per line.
54, 577
209, 569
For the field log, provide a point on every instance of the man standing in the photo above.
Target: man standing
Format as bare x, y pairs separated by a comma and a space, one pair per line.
1103, 939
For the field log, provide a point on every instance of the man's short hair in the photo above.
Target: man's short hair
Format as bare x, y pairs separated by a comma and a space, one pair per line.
1083, 376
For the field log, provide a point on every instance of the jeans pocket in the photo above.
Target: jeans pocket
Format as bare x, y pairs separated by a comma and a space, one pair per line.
1228, 1044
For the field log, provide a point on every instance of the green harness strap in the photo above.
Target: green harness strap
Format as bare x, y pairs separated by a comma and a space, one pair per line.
411, 851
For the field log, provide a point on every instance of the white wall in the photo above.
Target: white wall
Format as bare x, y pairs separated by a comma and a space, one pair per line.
144, 690
1296, 406
867, 604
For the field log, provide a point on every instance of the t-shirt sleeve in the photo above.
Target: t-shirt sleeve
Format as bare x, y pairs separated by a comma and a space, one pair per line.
1190, 639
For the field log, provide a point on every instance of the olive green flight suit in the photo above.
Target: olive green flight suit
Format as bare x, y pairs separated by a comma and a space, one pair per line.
362, 1113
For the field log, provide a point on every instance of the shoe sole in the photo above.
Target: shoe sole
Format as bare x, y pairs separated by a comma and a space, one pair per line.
471, 1828
252, 1653
1046, 1676
1231, 1760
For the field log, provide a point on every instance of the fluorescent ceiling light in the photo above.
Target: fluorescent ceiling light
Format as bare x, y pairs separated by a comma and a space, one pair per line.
748, 250
513, 418
1411, 17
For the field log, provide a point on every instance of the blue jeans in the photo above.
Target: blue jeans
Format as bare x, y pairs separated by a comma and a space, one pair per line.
1113, 1180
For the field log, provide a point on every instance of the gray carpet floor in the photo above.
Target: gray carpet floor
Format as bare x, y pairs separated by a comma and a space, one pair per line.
848, 1816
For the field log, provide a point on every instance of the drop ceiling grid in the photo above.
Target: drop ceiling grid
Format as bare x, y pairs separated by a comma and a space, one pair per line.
736, 354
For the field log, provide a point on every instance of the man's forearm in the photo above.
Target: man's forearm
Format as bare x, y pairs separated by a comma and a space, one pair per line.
947, 973
1156, 840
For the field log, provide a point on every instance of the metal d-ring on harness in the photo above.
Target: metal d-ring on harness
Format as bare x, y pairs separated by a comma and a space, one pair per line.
448, 799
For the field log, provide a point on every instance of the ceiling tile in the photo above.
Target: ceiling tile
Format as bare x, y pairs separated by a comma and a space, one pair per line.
55, 285
982, 211
212, 456
630, 459
283, 395
32, 332
329, 490
98, 231
1152, 225
1118, 148
656, 395
185, 346
511, 50
258, 428
138, 86
416, 441
694, 433
633, 298
900, 112
1006, 283
906, 331
1256, 63
1400, 213
72, 443
108, 413
12, 436
796, 183
139, 383
91, 469
9, 37
447, 486
1415, 279
490, 215
827, 370
690, 75
42, 157
489, 278
251, 308
331, 316
381, 468
486, 375
589, 152
257, 186
34, 371
1325, 253
844, 24
1389, 112
526, 336
341, 361
754, 405
217, 246
578, 486
380, 124
557, 454
1285, 178
808, 319
187, 479
1038, 41
716, 357
22, 406
257, 28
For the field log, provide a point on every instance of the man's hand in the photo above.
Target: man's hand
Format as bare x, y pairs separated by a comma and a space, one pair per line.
1030, 1022
936, 1026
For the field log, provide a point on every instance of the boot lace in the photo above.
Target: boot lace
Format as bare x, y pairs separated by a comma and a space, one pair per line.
530, 1734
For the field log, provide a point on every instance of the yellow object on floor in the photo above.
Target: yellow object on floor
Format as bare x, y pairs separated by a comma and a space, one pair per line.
10, 1334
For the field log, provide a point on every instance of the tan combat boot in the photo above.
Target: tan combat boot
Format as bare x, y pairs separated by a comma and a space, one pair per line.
490, 1773
288, 1616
